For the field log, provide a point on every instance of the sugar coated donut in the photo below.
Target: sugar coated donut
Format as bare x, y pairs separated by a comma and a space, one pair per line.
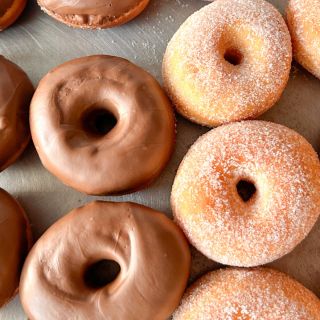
15, 241
229, 61
16, 92
10, 10
247, 193
303, 21
93, 14
68, 272
102, 125
243, 294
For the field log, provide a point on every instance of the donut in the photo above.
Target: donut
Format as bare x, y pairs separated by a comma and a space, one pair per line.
229, 61
93, 14
303, 22
243, 294
247, 193
15, 241
69, 272
10, 10
16, 92
102, 125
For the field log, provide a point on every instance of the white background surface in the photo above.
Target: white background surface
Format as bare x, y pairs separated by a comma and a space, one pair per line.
37, 43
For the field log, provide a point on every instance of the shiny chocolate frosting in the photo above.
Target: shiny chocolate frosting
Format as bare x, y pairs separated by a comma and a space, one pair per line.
4, 6
93, 13
75, 103
94, 7
152, 253
16, 91
15, 240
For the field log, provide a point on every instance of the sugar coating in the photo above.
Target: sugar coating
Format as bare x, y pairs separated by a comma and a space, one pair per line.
286, 173
209, 90
248, 294
303, 21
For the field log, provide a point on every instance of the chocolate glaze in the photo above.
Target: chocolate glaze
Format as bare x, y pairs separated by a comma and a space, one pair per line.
15, 240
132, 154
5, 5
151, 250
15, 94
100, 13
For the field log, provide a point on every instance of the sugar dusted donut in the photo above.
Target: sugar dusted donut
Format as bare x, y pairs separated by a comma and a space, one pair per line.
69, 272
10, 11
303, 20
16, 91
15, 241
102, 125
93, 14
229, 61
247, 193
243, 294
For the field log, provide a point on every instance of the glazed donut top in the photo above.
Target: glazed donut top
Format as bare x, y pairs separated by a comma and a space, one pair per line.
15, 238
248, 294
285, 171
15, 94
151, 250
129, 156
256, 33
4, 6
108, 8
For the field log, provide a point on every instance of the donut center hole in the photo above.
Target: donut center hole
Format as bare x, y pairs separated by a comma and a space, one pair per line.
101, 273
233, 56
99, 121
246, 190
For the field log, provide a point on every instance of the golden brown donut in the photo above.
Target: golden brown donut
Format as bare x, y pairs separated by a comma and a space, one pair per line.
229, 61
16, 91
102, 125
10, 10
63, 276
247, 193
248, 294
93, 14
303, 22
15, 241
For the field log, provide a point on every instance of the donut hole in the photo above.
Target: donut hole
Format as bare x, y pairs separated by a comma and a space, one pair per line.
101, 273
233, 56
98, 121
246, 190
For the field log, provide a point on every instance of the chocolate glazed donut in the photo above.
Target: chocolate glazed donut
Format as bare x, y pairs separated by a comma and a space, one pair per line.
94, 14
15, 95
15, 241
10, 10
102, 125
63, 275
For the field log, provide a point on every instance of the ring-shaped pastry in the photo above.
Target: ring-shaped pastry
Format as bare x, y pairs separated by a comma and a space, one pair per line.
68, 273
248, 192
16, 91
10, 10
93, 14
102, 125
229, 61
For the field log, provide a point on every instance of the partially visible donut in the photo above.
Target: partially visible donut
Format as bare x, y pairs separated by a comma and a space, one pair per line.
10, 10
15, 241
247, 193
152, 254
16, 91
93, 14
102, 125
247, 294
303, 21
229, 61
